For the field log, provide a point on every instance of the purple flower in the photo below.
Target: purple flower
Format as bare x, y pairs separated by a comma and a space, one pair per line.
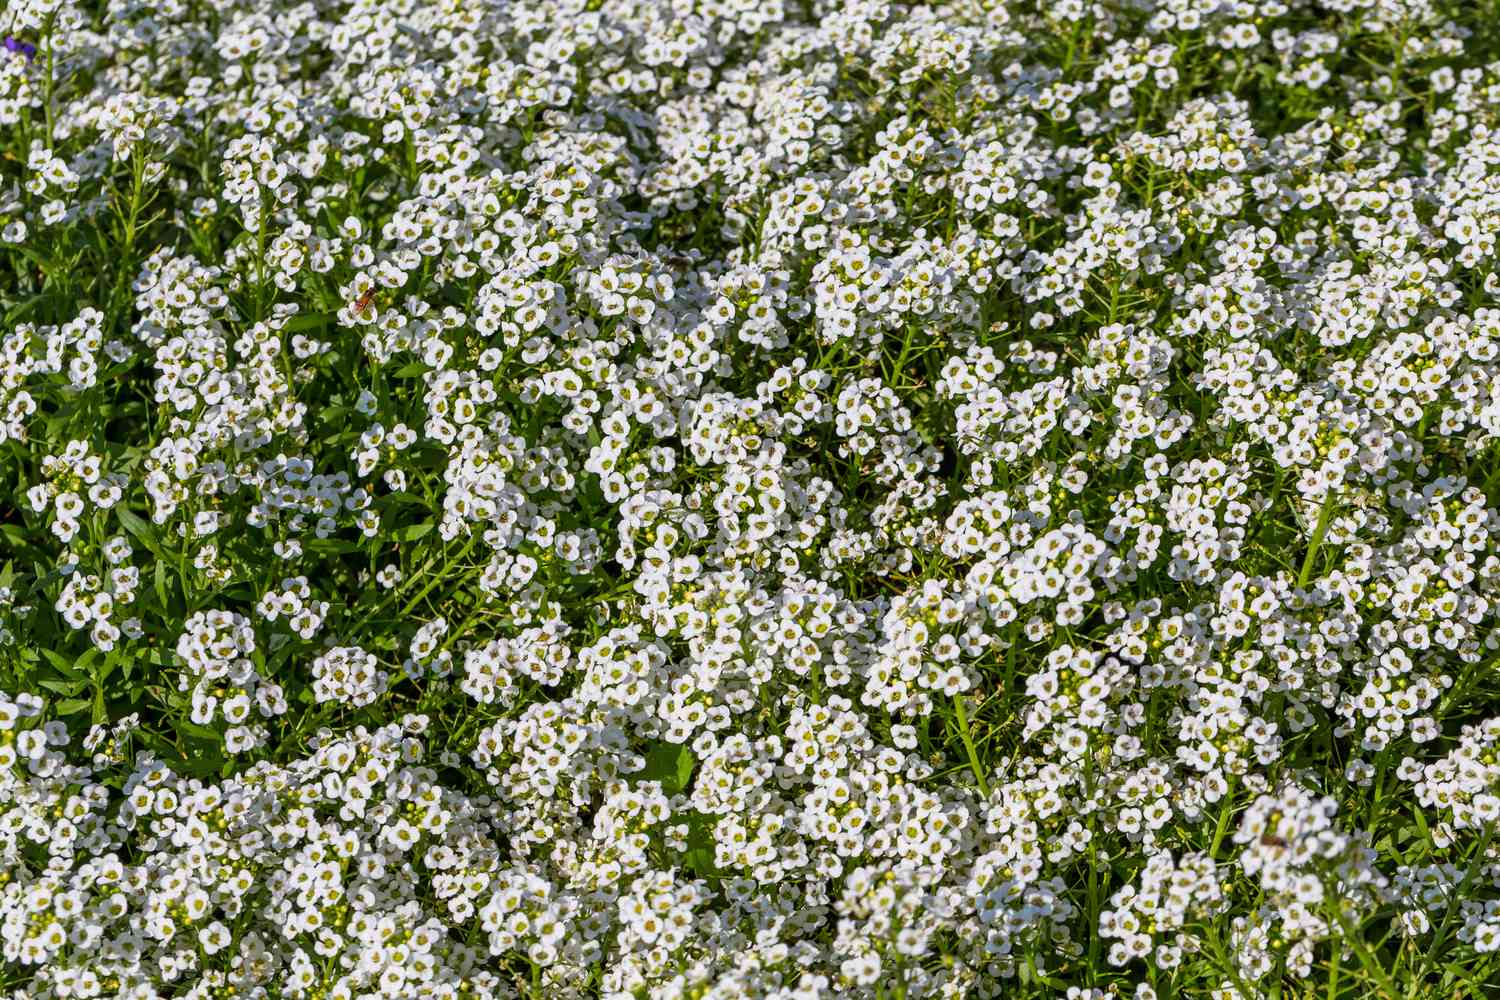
16, 45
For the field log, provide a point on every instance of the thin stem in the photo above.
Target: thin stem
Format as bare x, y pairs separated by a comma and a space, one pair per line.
963, 731
1325, 517
1095, 940
47, 83
1222, 827
1458, 893
1368, 962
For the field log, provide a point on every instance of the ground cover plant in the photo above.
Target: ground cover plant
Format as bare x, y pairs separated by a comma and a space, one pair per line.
749, 499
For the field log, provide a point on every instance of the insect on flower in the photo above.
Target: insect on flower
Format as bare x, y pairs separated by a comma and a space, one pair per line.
365, 299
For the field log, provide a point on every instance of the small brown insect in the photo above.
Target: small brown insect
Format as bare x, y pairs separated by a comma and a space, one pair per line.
1271, 840
363, 302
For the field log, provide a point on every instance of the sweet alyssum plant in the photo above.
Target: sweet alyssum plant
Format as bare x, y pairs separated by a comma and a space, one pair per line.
749, 499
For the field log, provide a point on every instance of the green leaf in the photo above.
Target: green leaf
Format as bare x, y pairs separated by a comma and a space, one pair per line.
112, 660
332, 545
204, 763
140, 528
63, 687
699, 857
1422, 826
70, 706
62, 664
161, 583
20, 309
671, 764
412, 532
307, 321
201, 732
17, 536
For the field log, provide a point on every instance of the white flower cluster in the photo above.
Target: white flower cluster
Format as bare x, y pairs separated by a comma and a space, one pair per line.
745, 499
215, 649
1298, 857
1171, 893
347, 674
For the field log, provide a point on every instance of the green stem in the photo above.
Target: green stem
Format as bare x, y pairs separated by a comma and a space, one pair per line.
1226, 962
1325, 517
419, 574
1222, 827
1368, 962
963, 731
47, 84
1436, 951
1095, 941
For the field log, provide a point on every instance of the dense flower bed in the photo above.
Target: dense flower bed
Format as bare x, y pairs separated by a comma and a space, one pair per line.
720, 499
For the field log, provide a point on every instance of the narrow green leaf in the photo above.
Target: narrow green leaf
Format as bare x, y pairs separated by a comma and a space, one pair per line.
140, 528
61, 663
63, 687
161, 585
412, 532
307, 321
